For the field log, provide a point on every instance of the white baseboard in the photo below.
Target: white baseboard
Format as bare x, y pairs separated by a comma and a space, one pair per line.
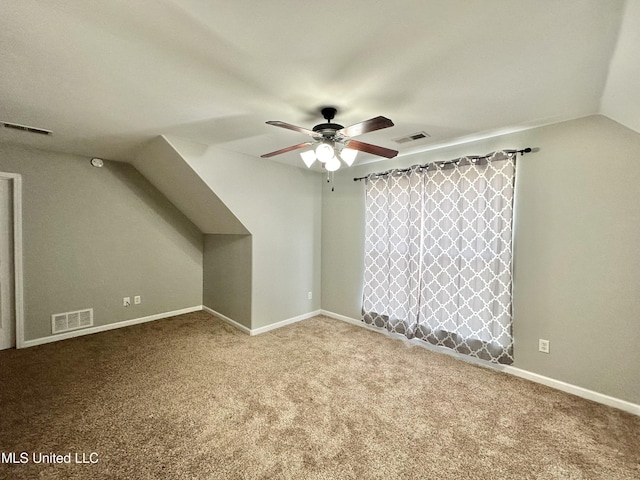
110, 326
575, 390
288, 321
226, 319
159, 316
518, 372
267, 328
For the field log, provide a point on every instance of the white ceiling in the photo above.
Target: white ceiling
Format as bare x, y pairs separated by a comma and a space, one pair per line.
108, 76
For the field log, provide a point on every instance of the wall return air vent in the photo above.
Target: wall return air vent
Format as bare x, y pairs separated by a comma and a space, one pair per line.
64, 322
27, 128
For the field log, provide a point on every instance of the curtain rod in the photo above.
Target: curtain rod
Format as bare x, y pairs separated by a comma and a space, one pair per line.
446, 162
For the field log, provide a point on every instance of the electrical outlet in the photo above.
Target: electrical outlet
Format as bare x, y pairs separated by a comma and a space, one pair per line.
137, 300
126, 301
310, 295
543, 345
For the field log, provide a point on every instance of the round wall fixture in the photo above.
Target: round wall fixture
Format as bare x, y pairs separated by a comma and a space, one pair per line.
97, 162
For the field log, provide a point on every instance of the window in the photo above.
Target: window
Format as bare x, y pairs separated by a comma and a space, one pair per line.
438, 254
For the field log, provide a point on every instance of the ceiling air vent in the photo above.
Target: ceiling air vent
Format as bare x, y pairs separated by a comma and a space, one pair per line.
63, 322
26, 128
412, 138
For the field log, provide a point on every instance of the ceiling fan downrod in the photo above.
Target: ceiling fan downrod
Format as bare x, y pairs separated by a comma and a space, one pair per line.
328, 129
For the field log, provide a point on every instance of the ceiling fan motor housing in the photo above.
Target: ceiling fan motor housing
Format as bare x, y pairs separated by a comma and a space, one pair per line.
328, 129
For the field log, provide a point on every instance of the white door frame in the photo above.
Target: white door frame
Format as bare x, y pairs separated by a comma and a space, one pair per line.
16, 182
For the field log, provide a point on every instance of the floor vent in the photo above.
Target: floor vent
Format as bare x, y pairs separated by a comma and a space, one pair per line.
26, 128
411, 138
63, 322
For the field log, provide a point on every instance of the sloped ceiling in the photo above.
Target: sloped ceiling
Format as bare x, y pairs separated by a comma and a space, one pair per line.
108, 76
621, 98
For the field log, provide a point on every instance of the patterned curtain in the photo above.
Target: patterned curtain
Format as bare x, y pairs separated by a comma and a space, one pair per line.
438, 254
392, 252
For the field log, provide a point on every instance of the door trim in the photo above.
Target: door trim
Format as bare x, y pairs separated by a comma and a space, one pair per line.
16, 183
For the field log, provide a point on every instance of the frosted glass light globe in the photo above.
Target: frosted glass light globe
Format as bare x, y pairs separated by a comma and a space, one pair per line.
348, 155
324, 152
308, 157
333, 164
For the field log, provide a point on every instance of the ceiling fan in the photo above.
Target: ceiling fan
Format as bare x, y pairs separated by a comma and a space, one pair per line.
333, 141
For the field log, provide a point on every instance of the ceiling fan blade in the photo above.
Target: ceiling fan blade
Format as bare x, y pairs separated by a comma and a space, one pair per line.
285, 150
374, 149
295, 128
371, 125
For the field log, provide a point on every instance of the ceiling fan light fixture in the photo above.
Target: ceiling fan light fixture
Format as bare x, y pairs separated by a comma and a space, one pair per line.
308, 157
331, 139
324, 152
348, 155
332, 164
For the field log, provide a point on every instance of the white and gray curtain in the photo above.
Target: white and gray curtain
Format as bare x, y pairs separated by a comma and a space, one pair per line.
438, 257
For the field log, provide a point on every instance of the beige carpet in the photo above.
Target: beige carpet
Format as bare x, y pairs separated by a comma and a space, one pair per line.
190, 397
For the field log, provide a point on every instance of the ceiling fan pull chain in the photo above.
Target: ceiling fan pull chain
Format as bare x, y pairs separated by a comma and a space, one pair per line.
330, 180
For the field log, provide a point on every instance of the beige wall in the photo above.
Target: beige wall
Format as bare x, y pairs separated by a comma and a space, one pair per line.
163, 166
227, 276
280, 206
95, 235
576, 255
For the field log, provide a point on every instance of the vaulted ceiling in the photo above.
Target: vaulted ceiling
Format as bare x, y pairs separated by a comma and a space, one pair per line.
106, 77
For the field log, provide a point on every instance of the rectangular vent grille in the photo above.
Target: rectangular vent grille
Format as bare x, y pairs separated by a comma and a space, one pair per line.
26, 128
412, 138
64, 322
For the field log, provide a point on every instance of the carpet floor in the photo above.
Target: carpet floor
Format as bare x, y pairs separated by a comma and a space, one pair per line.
192, 398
